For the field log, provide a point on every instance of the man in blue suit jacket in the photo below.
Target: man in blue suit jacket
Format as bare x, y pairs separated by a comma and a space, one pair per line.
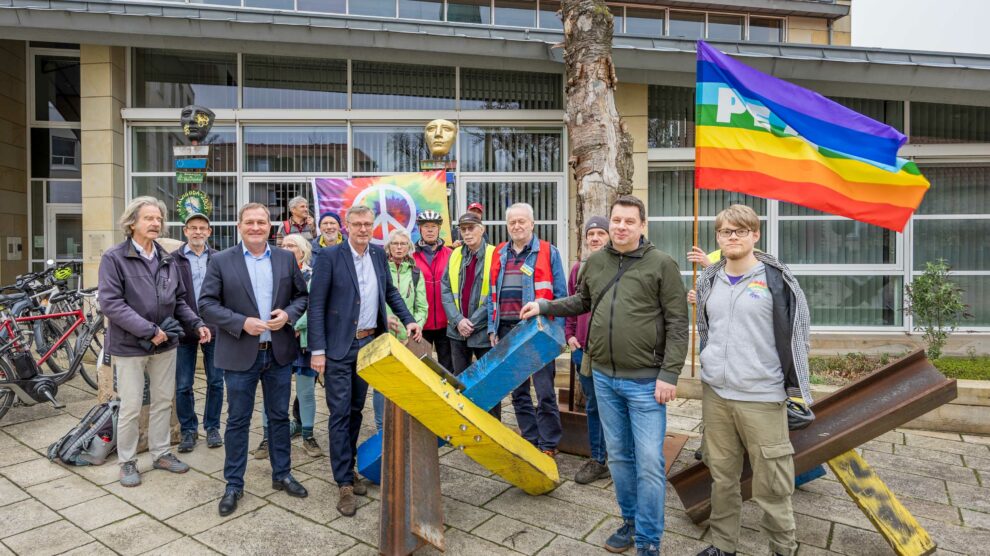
350, 288
254, 294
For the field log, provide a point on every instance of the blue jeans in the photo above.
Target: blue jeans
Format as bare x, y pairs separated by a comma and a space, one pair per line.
305, 393
378, 404
242, 387
185, 376
596, 438
635, 426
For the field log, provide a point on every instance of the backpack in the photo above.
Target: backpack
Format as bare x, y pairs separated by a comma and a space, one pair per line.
92, 440
415, 275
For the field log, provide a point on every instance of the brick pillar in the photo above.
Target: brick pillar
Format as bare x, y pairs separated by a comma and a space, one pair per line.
103, 90
13, 159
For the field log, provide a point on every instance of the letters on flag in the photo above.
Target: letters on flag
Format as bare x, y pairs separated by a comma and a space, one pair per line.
762, 136
395, 200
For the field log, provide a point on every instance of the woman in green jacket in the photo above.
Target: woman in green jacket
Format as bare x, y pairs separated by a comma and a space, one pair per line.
407, 279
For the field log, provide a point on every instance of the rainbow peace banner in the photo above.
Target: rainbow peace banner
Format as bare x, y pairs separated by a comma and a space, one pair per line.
396, 200
762, 136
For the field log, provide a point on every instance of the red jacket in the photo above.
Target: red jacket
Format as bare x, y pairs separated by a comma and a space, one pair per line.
433, 273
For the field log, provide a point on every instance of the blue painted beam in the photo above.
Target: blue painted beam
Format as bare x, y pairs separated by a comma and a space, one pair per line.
190, 163
528, 348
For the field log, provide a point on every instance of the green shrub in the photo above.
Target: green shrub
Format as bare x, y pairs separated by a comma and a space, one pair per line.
936, 304
970, 368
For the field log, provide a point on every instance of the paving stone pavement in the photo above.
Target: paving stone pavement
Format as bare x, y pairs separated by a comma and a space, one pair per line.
45, 508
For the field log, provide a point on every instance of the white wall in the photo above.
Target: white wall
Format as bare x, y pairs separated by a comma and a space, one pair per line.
940, 25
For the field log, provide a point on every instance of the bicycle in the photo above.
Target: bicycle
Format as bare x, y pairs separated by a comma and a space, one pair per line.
21, 378
90, 335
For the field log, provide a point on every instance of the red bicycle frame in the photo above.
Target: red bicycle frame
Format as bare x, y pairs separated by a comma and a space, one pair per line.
8, 325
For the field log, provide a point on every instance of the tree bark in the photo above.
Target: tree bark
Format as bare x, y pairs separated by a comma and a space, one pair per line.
600, 143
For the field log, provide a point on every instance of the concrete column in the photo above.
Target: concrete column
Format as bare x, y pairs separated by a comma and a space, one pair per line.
103, 90
13, 159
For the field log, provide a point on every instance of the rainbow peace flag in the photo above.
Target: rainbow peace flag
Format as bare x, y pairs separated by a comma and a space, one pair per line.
396, 200
763, 136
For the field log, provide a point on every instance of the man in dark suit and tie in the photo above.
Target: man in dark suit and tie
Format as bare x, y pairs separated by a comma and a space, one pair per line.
254, 294
350, 288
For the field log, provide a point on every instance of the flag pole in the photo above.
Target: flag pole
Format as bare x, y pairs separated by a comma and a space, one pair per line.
694, 281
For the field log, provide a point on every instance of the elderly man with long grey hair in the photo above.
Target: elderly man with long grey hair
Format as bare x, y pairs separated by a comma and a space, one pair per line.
143, 297
300, 221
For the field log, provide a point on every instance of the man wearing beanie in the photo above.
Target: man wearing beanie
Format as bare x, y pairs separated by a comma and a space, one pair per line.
329, 232
576, 332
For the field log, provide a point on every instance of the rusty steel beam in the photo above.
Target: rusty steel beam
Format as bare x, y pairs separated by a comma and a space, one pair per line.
879, 402
411, 510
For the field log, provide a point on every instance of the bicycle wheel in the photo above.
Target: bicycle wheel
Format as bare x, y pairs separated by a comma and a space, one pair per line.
61, 360
88, 341
6, 394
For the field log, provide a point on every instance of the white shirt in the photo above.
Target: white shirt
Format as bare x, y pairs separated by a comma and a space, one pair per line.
367, 288
149, 256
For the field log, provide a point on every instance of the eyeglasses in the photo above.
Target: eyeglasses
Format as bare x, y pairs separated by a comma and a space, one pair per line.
726, 233
361, 224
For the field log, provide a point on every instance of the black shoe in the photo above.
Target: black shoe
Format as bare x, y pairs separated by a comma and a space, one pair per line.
188, 442
712, 551
228, 504
213, 438
291, 487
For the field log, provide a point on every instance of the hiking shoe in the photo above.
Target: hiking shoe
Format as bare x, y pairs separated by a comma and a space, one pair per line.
188, 441
262, 451
129, 476
213, 438
649, 550
360, 487
295, 429
170, 463
712, 551
590, 472
347, 504
552, 453
621, 540
311, 447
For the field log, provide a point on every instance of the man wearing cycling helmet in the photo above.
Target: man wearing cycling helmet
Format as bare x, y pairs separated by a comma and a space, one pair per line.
431, 257
753, 322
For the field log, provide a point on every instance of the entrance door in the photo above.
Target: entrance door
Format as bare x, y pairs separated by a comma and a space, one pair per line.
547, 195
64, 232
276, 193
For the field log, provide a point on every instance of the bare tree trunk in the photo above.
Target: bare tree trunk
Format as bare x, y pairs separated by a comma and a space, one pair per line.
601, 146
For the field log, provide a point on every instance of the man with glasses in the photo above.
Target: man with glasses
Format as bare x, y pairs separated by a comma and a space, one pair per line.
753, 322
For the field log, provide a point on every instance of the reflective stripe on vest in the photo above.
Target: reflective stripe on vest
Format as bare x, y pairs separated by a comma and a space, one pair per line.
542, 275
455, 275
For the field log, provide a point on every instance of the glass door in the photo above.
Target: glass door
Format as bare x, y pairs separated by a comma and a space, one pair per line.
276, 193
64, 232
547, 195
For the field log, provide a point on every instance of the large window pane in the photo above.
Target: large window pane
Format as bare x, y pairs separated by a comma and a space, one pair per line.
222, 191
644, 22
766, 29
151, 150
671, 193
389, 149
671, 117
282, 82
227, 2
949, 123
689, 25
56, 153
65, 192
549, 16
176, 78
676, 238
836, 242
56, 89
316, 150
383, 8
510, 90
498, 196
421, 9
325, 6
725, 27
510, 149
402, 86
854, 300
956, 190
890, 112
276, 195
618, 25
515, 13
270, 4
469, 11
963, 243
976, 294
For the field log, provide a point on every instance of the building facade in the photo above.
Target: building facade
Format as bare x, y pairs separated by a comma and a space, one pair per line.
317, 88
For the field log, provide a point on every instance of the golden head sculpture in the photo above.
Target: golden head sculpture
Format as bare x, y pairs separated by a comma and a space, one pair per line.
440, 135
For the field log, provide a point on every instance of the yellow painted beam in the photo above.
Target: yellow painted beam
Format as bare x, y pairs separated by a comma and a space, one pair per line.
895, 524
400, 376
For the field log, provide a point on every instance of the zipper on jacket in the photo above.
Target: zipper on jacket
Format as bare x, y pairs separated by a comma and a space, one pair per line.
611, 315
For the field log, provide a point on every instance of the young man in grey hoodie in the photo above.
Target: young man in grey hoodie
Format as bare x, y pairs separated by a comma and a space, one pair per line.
753, 322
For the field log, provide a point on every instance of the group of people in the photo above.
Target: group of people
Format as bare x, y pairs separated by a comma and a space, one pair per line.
261, 314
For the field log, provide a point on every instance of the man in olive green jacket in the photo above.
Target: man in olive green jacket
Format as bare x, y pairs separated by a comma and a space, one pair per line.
637, 342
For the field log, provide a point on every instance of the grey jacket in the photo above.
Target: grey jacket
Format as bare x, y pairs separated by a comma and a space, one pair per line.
479, 315
791, 321
135, 301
